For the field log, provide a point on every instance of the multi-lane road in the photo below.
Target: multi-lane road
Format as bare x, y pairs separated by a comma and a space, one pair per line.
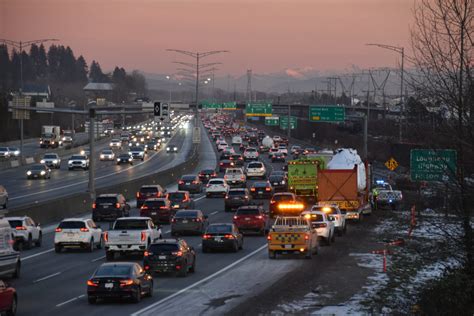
54, 283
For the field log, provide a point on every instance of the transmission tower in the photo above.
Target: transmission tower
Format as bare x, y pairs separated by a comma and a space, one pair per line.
249, 85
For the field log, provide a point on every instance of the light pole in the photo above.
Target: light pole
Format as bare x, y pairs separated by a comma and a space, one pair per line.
169, 79
400, 50
20, 45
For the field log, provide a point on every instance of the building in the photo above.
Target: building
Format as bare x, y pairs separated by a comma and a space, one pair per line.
96, 90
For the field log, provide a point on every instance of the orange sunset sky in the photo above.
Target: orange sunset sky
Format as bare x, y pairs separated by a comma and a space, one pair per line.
265, 35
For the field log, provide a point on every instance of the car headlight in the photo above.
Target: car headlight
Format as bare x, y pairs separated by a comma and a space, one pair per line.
283, 182
176, 148
118, 159
111, 144
102, 156
55, 161
167, 148
16, 153
129, 159
28, 173
43, 172
42, 161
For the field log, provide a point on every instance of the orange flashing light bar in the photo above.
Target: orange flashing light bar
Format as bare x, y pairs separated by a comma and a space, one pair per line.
291, 207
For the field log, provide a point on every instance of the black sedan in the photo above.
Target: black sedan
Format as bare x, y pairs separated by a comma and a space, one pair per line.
278, 156
122, 280
224, 164
262, 190
237, 159
222, 236
207, 174
180, 200
191, 183
125, 158
38, 171
170, 255
278, 182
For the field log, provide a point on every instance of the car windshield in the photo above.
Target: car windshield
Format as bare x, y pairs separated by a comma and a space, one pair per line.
236, 192
187, 214
50, 156
115, 140
317, 218
155, 204
282, 197
216, 182
250, 150
188, 178
255, 165
207, 171
219, 228
260, 184
107, 152
77, 157
37, 167
72, 225
113, 270
163, 248
131, 224
136, 149
3, 148
15, 223
275, 178
234, 171
106, 200
176, 196
247, 211
148, 190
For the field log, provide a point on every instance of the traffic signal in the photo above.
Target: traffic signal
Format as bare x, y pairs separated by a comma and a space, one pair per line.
165, 110
157, 108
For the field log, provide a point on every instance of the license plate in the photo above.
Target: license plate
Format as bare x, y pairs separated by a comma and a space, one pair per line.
70, 234
247, 218
162, 257
260, 192
218, 239
35, 176
109, 285
276, 183
185, 221
105, 206
287, 246
188, 183
153, 213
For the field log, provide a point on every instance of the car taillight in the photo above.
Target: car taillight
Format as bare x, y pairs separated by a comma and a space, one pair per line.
106, 236
323, 225
272, 202
206, 236
163, 207
229, 236
92, 283
194, 182
58, 230
197, 220
180, 182
146, 254
173, 220
143, 236
177, 253
20, 228
236, 217
260, 217
306, 237
242, 177
267, 189
226, 197
269, 237
127, 282
83, 229
94, 205
144, 207
117, 205
252, 189
138, 194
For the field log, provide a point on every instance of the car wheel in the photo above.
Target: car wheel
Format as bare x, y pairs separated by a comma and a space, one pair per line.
333, 238
12, 310
150, 289
100, 244
90, 248
39, 241
184, 270
235, 247
193, 267
345, 229
17, 272
58, 248
109, 255
91, 299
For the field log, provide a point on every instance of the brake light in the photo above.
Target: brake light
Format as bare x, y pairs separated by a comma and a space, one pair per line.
92, 283
84, 229
147, 267
236, 217
106, 236
58, 230
117, 205
269, 237
226, 197
144, 207
221, 163
177, 253
180, 182
20, 228
260, 217
306, 237
143, 236
94, 205
252, 189
197, 220
146, 254
194, 182
323, 225
229, 236
242, 177
206, 236
163, 207
138, 194
267, 189
127, 282
291, 206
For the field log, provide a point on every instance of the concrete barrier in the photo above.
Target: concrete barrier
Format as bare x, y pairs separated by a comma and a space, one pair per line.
80, 203
15, 163
29, 160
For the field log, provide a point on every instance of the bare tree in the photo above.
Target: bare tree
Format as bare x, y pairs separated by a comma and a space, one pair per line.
442, 42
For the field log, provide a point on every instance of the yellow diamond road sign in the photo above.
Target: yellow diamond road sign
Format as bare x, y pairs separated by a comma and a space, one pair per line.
391, 164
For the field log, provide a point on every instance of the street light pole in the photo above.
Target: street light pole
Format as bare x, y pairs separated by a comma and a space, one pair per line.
400, 50
20, 45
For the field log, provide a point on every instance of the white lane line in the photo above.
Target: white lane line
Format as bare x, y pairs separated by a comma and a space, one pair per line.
214, 213
47, 277
71, 300
85, 181
168, 231
37, 254
230, 266
199, 198
98, 259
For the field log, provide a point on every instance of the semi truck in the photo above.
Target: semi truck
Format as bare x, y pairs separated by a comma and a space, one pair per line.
345, 183
50, 136
303, 178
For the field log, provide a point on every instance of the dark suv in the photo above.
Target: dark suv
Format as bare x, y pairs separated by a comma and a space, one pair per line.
235, 198
191, 183
170, 255
158, 209
109, 207
180, 200
149, 191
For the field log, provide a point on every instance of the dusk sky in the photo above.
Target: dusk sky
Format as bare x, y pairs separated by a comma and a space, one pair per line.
265, 35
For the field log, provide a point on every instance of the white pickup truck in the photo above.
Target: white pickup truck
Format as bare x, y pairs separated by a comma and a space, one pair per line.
130, 235
235, 177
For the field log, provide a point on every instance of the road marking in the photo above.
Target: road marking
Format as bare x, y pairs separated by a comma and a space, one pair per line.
98, 259
214, 213
47, 277
37, 254
71, 300
199, 198
230, 266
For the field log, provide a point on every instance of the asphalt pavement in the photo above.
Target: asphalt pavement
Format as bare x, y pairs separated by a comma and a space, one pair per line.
53, 283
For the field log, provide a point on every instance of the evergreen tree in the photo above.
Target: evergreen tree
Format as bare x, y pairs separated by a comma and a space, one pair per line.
81, 69
42, 63
5, 66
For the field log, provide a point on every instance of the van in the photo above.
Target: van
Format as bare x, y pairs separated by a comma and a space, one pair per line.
9, 258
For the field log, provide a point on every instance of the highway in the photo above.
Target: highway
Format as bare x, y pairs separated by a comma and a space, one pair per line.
56, 283
64, 182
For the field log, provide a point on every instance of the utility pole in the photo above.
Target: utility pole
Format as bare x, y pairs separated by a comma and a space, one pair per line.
249, 89
21, 45
401, 51
92, 151
289, 121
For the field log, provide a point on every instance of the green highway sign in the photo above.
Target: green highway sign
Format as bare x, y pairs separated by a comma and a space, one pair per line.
326, 113
432, 164
272, 121
284, 122
211, 105
229, 106
258, 109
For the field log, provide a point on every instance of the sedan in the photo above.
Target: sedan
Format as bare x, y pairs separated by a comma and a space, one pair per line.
220, 236
38, 171
119, 280
237, 159
124, 158
278, 156
278, 182
189, 221
224, 164
107, 155
261, 190
207, 174
51, 160
180, 200
191, 183
172, 149
4, 152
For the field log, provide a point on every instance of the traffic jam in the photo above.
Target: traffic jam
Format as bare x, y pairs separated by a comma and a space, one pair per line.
291, 197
